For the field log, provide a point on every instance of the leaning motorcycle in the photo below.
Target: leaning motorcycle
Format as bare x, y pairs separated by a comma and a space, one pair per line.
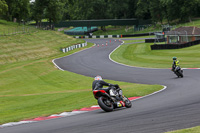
111, 98
178, 71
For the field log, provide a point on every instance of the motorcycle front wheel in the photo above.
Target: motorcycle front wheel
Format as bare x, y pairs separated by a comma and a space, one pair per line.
105, 104
128, 103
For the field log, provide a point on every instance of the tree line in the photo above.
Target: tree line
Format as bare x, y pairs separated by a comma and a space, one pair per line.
57, 10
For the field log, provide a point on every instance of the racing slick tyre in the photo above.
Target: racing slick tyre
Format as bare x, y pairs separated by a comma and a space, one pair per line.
105, 104
181, 74
128, 103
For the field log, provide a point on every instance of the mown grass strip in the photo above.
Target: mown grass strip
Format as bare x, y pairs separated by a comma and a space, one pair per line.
141, 55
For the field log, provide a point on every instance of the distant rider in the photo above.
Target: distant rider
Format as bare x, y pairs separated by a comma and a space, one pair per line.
175, 63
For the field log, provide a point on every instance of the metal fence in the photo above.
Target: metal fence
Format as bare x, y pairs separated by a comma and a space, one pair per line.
17, 30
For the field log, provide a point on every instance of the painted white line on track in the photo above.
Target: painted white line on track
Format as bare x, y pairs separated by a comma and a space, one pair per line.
125, 64
191, 68
164, 87
57, 65
15, 123
64, 114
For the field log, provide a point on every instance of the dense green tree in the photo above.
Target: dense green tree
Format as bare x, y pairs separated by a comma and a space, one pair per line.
22, 10
3, 7
37, 11
142, 9
188, 9
11, 6
57, 10
180, 9
18, 9
54, 10
99, 10
80, 9
157, 10
197, 14
132, 9
119, 9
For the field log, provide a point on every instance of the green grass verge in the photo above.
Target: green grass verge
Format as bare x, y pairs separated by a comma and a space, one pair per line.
141, 55
188, 130
31, 86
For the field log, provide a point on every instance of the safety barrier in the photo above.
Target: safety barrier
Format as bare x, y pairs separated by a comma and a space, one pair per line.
174, 46
67, 49
100, 36
152, 40
137, 35
115, 36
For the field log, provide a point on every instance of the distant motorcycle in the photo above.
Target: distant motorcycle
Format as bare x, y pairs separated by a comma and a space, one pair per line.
178, 71
111, 98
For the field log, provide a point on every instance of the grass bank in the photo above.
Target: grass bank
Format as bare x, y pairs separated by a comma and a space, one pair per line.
141, 55
32, 86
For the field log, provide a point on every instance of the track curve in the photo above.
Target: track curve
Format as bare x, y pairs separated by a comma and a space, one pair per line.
176, 107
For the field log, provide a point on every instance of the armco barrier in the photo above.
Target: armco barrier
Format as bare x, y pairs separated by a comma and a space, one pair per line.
152, 40
115, 36
67, 49
136, 35
174, 46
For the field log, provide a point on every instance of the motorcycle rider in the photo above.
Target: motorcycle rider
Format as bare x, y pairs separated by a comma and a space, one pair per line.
98, 83
175, 63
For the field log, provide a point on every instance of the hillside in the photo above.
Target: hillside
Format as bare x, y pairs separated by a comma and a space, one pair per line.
31, 86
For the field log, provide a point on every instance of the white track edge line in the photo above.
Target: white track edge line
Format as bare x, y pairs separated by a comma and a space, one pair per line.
53, 61
125, 64
164, 87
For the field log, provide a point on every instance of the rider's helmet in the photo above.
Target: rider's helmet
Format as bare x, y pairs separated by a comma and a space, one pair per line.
98, 77
174, 58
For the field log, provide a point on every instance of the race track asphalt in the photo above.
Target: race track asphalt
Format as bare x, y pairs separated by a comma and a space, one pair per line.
176, 107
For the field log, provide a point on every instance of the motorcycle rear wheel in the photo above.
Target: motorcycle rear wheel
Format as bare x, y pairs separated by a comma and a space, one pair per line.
181, 74
105, 104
